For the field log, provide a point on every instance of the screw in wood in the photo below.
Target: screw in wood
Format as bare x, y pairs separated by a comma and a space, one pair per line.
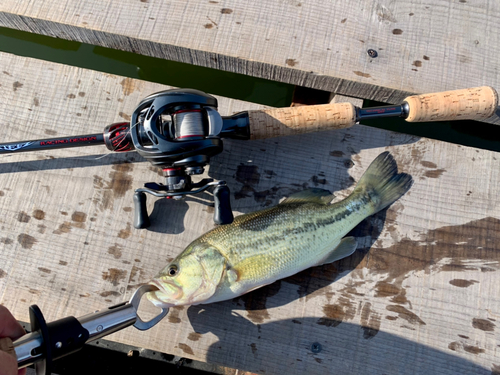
316, 347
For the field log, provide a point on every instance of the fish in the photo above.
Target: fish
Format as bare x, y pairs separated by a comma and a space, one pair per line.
259, 248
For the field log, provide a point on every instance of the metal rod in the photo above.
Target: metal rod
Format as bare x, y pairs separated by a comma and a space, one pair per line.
52, 143
28, 349
105, 322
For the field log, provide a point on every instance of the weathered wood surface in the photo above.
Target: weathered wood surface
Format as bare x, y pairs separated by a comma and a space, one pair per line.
421, 295
423, 46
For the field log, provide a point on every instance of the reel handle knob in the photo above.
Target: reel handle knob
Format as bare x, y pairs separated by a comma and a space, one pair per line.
223, 214
141, 218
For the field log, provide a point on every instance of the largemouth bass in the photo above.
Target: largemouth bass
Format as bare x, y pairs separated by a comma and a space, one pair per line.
258, 248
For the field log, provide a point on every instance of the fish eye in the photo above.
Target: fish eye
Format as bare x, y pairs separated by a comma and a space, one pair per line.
173, 270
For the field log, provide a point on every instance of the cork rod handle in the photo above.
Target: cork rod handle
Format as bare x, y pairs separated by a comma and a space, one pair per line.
468, 104
277, 122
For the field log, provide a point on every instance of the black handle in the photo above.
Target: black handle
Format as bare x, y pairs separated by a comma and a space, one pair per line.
60, 338
141, 218
222, 213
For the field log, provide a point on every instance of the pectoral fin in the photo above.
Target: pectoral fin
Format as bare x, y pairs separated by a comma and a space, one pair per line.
346, 247
312, 195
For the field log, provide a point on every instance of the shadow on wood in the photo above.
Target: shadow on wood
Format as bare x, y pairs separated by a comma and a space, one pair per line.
168, 214
332, 347
260, 173
68, 162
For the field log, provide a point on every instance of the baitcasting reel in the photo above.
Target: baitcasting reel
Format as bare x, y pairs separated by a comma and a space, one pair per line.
178, 131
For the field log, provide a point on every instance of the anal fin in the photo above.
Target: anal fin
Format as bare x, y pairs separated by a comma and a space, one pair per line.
346, 247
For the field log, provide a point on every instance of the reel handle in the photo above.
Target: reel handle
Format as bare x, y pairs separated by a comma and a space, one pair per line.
222, 211
223, 214
141, 218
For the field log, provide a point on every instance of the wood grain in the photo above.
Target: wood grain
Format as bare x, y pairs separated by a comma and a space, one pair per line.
422, 47
419, 296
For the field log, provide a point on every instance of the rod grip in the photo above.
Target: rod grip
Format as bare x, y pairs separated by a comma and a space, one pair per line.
278, 122
467, 104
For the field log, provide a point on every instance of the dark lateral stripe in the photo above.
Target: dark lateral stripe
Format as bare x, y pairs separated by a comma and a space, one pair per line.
342, 214
314, 225
260, 223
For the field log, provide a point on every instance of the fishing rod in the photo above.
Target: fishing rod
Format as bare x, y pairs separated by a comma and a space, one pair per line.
179, 131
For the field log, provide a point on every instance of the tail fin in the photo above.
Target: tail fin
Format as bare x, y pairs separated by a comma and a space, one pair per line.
382, 182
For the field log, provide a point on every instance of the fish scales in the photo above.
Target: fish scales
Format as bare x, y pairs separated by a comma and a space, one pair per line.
259, 248
288, 234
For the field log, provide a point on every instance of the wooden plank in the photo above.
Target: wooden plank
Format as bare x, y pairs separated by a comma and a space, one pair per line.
422, 46
420, 295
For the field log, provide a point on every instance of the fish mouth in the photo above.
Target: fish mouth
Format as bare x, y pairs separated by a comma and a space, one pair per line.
167, 294
157, 284
153, 298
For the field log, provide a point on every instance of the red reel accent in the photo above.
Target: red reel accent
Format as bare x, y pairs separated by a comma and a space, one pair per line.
117, 137
187, 110
172, 169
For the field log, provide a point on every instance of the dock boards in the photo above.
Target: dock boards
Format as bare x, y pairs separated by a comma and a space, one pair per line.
381, 50
420, 295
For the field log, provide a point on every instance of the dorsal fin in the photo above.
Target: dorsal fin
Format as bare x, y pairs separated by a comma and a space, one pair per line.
312, 195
